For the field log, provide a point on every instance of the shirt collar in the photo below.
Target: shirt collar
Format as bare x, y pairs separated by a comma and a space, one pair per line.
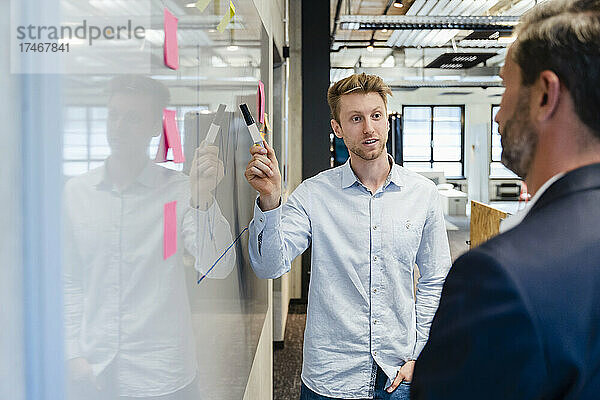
543, 188
349, 178
515, 219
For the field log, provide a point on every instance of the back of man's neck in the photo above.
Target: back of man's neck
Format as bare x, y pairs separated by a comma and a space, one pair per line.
544, 168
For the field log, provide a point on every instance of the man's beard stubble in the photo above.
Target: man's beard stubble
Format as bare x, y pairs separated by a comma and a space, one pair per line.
367, 157
519, 139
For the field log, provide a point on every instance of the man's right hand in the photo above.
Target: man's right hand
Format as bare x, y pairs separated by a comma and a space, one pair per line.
263, 175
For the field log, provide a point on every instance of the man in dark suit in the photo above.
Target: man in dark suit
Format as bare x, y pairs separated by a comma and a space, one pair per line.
519, 316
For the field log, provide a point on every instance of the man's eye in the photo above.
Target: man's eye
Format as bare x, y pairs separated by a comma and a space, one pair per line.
377, 115
356, 119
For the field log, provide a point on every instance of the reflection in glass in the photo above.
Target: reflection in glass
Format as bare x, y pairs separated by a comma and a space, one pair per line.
128, 319
188, 326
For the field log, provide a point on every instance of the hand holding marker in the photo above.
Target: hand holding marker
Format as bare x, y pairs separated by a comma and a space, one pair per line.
262, 171
207, 169
254, 133
211, 136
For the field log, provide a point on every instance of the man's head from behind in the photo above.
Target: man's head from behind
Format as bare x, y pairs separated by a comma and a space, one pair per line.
358, 106
135, 108
556, 54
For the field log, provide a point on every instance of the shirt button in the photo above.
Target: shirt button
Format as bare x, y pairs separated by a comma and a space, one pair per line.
408, 225
374, 258
260, 219
374, 353
374, 227
375, 322
374, 290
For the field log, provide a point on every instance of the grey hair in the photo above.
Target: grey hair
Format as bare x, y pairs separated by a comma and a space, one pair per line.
563, 36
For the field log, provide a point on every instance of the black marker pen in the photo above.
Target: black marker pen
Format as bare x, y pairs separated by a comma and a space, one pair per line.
254, 133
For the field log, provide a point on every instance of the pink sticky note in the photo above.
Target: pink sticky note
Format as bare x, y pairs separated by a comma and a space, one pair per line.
171, 51
260, 102
170, 139
170, 229
161, 154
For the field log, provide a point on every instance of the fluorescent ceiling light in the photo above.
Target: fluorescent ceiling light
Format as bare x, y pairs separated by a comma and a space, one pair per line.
507, 40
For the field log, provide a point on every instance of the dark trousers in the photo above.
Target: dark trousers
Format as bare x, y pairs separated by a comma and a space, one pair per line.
401, 393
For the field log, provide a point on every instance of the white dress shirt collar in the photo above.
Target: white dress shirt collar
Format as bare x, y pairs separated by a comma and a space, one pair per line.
515, 219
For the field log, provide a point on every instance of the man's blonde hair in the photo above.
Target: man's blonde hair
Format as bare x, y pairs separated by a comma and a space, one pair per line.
355, 83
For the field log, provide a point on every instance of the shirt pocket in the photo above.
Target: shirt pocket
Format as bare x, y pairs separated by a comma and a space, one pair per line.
407, 238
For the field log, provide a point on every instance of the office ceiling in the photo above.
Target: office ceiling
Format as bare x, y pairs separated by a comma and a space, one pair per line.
368, 34
208, 59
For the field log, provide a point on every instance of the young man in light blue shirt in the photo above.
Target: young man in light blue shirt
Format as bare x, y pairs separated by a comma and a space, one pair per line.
369, 221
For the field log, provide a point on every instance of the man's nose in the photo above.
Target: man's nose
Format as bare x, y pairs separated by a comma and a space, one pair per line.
368, 126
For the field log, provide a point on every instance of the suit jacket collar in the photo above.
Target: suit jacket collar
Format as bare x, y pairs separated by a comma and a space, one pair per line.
578, 180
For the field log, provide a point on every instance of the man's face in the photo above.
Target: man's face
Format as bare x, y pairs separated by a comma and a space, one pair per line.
518, 135
131, 123
363, 124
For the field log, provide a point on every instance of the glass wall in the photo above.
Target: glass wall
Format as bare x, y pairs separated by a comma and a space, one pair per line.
135, 146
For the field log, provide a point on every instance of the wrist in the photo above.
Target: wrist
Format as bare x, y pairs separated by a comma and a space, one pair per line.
267, 203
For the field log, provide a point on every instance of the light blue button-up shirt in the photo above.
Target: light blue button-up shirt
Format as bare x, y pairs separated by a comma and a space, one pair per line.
361, 301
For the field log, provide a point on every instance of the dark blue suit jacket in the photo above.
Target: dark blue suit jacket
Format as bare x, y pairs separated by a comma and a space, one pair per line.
519, 316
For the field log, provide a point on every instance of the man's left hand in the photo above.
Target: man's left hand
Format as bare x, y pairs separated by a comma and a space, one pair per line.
205, 174
404, 375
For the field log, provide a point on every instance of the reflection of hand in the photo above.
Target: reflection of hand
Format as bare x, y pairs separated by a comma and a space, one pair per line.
263, 175
205, 174
81, 371
404, 375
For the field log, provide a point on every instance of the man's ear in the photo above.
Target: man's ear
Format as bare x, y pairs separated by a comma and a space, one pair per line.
337, 129
546, 96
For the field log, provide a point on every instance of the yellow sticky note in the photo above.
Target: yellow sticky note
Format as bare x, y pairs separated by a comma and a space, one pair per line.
267, 124
202, 4
226, 18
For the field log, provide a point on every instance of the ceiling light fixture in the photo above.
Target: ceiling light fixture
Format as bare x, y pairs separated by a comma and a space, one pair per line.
370, 47
507, 40
398, 4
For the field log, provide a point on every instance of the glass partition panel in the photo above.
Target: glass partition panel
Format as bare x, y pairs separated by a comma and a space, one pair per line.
158, 296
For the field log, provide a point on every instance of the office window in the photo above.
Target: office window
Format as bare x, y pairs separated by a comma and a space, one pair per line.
85, 146
433, 139
497, 169
84, 140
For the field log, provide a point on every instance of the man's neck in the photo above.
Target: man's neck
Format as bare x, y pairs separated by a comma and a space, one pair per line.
123, 172
560, 156
371, 173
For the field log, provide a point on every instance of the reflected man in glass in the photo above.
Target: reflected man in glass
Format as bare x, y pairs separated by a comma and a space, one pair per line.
127, 314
